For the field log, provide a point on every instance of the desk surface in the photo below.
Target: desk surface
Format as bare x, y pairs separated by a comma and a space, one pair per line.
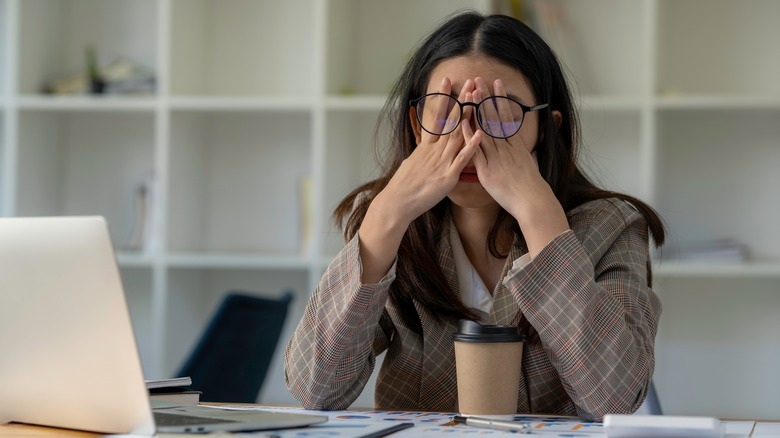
427, 424
25, 430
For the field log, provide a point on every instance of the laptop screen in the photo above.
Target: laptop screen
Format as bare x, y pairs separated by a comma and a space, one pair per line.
69, 357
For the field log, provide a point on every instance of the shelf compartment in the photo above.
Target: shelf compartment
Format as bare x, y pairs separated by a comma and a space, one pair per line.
349, 162
56, 33
590, 52
716, 166
242, 47
369, 41
730, 54
84, 163
137, 284
234, 181
193, 295
707, 330
611, 150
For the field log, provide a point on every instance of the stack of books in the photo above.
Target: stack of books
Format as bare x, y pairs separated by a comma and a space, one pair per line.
176, 390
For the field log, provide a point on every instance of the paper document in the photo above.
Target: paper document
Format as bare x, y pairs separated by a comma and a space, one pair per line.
356, 424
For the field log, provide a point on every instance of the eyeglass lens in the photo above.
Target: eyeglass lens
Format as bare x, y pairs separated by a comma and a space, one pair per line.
498, 116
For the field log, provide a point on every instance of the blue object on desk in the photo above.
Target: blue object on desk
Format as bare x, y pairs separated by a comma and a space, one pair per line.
232, 357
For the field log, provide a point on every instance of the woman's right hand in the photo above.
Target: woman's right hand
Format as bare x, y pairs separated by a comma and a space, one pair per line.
423, 179
434, 166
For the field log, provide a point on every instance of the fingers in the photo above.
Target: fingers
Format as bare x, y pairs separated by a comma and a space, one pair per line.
488, 110
498, 118
441, 114
507, 119
478, 96
468, 113
437, 111
465, 116
469, 150
468, 87
480, 160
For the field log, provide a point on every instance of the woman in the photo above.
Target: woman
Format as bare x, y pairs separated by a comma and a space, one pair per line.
481, 212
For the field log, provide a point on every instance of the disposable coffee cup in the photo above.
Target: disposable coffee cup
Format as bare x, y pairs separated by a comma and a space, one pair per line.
488, 360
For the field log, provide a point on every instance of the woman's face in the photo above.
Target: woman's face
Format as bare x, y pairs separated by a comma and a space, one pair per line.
468, 192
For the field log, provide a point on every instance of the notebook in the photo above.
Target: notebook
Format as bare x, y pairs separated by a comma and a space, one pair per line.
69, 355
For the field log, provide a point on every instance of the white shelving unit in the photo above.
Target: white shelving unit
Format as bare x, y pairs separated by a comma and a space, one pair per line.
680, 106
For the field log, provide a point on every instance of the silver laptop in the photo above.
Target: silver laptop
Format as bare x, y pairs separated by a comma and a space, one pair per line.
68, 356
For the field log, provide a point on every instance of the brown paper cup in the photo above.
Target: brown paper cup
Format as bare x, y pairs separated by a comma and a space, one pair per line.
488, 370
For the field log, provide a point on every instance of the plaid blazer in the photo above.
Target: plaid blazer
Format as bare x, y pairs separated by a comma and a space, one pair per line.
592, 317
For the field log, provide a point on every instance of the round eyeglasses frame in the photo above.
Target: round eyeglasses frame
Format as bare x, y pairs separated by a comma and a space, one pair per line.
525, 108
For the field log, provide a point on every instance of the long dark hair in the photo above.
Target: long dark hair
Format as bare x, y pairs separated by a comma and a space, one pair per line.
514, 44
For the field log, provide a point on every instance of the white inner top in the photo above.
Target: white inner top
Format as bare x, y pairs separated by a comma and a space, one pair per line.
473, 291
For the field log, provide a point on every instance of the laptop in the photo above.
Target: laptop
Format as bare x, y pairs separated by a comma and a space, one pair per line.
69, 355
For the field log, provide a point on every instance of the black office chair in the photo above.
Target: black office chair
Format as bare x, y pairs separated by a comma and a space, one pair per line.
232, 357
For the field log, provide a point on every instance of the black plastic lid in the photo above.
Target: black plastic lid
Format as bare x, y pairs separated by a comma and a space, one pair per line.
470, 331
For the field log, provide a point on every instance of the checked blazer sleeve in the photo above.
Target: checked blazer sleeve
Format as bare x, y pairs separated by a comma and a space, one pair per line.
587, 296
332, 352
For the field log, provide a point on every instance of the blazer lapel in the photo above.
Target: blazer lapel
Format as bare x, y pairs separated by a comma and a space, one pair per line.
446, 258
505, 309
507, 312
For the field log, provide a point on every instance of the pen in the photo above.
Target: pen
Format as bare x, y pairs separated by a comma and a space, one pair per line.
488, 423
388, 431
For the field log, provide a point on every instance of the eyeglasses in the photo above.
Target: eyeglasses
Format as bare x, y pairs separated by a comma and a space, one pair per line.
498, 116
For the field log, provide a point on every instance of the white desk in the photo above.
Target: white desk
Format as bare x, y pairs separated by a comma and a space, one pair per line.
427, 424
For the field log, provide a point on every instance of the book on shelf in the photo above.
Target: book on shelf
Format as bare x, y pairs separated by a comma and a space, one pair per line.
175, 390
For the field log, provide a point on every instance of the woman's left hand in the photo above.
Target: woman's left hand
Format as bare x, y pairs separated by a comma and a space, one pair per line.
509, 171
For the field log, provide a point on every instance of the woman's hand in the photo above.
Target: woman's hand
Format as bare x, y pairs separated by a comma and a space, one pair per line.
433, 168
509, 172
421, 181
